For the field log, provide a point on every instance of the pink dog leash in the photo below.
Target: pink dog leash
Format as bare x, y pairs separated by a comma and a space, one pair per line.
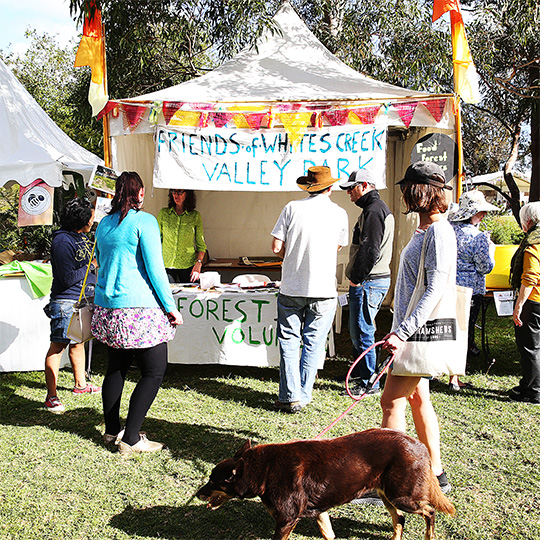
373, 380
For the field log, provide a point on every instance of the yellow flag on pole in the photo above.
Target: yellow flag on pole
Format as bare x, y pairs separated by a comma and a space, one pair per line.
465, 76
91, 52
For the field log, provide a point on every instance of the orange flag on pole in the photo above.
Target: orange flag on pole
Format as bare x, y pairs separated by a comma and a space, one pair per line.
91, 52
465, 76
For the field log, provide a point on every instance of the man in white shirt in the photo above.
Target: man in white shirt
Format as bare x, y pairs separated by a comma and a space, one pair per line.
308, 235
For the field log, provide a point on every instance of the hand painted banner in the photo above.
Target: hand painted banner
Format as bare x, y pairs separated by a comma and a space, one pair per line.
241, 160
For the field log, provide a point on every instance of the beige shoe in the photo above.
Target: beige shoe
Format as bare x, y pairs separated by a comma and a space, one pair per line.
115, 439
143, 445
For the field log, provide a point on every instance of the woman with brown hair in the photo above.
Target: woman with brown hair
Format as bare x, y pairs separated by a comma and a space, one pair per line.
135, 313
423, 190
182, 237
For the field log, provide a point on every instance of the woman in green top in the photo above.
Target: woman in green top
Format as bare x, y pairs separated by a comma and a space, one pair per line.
182, 237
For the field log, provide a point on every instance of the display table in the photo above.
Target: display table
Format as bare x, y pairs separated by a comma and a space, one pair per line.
24, 327
234, 328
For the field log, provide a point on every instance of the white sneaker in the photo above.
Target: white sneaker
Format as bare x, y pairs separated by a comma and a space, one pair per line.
143, 445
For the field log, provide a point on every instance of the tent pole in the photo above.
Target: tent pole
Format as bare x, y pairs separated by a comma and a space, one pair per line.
460, 174
107, 156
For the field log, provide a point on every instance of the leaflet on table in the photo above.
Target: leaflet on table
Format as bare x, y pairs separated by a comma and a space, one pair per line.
504, 302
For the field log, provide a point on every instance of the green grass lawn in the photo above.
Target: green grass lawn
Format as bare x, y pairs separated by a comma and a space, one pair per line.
59, 481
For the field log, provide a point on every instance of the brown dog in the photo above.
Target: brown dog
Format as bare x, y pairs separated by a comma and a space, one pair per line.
306, 478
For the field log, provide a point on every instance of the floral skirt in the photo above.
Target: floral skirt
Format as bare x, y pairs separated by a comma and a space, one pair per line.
131, 328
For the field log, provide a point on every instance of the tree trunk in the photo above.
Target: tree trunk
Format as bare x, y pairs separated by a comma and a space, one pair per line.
515, 203
534, 194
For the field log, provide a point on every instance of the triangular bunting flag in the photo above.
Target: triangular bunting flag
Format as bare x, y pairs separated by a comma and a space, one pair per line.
132, 115
435, 107
295, 125
240, 121
406, 111
169, 109
337, 117
220, 119
364, 115
254, 119
185, 118
107, 109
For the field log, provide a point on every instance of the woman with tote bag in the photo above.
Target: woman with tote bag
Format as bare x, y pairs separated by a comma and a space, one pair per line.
431, 252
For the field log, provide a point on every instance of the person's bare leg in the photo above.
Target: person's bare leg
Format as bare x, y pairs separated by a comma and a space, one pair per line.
52, 366
77, 359
427, 423
394, 400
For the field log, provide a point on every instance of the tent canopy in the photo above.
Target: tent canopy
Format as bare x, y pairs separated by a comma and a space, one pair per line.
288, 65
32, 146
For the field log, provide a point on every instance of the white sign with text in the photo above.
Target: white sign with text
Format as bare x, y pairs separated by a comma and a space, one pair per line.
227, 159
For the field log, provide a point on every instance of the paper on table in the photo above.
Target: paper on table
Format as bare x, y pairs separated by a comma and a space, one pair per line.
504, 302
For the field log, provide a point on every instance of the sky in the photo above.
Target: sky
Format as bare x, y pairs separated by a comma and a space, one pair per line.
50, 16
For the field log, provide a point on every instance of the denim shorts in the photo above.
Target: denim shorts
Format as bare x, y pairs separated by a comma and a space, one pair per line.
59, 311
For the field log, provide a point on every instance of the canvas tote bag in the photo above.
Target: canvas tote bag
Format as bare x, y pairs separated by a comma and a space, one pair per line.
79, 329
439, 347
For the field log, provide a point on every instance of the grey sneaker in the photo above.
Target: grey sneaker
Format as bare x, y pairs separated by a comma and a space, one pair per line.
444, 483
143, 445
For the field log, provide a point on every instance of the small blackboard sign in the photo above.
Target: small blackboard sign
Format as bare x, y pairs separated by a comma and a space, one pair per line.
439, 148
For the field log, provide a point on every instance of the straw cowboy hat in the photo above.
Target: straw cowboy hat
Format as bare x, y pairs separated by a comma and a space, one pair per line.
470, 204
317, 179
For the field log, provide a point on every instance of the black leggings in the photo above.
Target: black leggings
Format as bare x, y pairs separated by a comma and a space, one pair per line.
152, 363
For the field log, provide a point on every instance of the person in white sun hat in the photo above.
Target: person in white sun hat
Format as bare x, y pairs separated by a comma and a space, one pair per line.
475, 258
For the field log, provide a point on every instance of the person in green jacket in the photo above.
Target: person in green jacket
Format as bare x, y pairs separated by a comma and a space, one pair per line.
182, 237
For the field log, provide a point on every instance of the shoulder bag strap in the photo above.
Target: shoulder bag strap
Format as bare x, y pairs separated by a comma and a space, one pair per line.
86, 275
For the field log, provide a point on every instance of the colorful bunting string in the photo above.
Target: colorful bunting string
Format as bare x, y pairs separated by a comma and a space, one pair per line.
295, 117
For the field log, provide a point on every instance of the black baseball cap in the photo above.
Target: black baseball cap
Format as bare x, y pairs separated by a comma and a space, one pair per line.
425, 172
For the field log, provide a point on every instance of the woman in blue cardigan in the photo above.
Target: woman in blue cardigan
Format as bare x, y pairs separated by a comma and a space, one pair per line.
135, 314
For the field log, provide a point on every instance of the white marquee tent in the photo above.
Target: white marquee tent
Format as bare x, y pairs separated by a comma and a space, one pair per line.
32, 146
288, 72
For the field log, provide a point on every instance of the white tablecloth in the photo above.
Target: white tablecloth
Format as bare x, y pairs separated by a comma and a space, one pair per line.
235, 328
24, 328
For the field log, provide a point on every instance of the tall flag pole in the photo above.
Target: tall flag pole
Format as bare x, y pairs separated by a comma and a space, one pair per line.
91, 52
465, 76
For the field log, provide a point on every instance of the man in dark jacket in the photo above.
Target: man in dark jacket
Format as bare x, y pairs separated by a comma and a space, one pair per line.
368, 271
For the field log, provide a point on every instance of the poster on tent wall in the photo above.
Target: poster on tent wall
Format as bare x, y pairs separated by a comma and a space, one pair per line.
35, 204
225, 159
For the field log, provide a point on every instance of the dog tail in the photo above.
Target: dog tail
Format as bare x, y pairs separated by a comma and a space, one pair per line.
438, 500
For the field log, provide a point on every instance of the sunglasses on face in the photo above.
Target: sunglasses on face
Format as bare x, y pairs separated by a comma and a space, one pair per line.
177, 191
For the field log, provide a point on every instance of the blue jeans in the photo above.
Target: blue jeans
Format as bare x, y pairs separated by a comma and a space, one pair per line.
302, 323
364, 304
60, 312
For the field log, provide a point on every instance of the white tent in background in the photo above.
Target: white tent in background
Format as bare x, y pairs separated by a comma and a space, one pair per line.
32, 146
